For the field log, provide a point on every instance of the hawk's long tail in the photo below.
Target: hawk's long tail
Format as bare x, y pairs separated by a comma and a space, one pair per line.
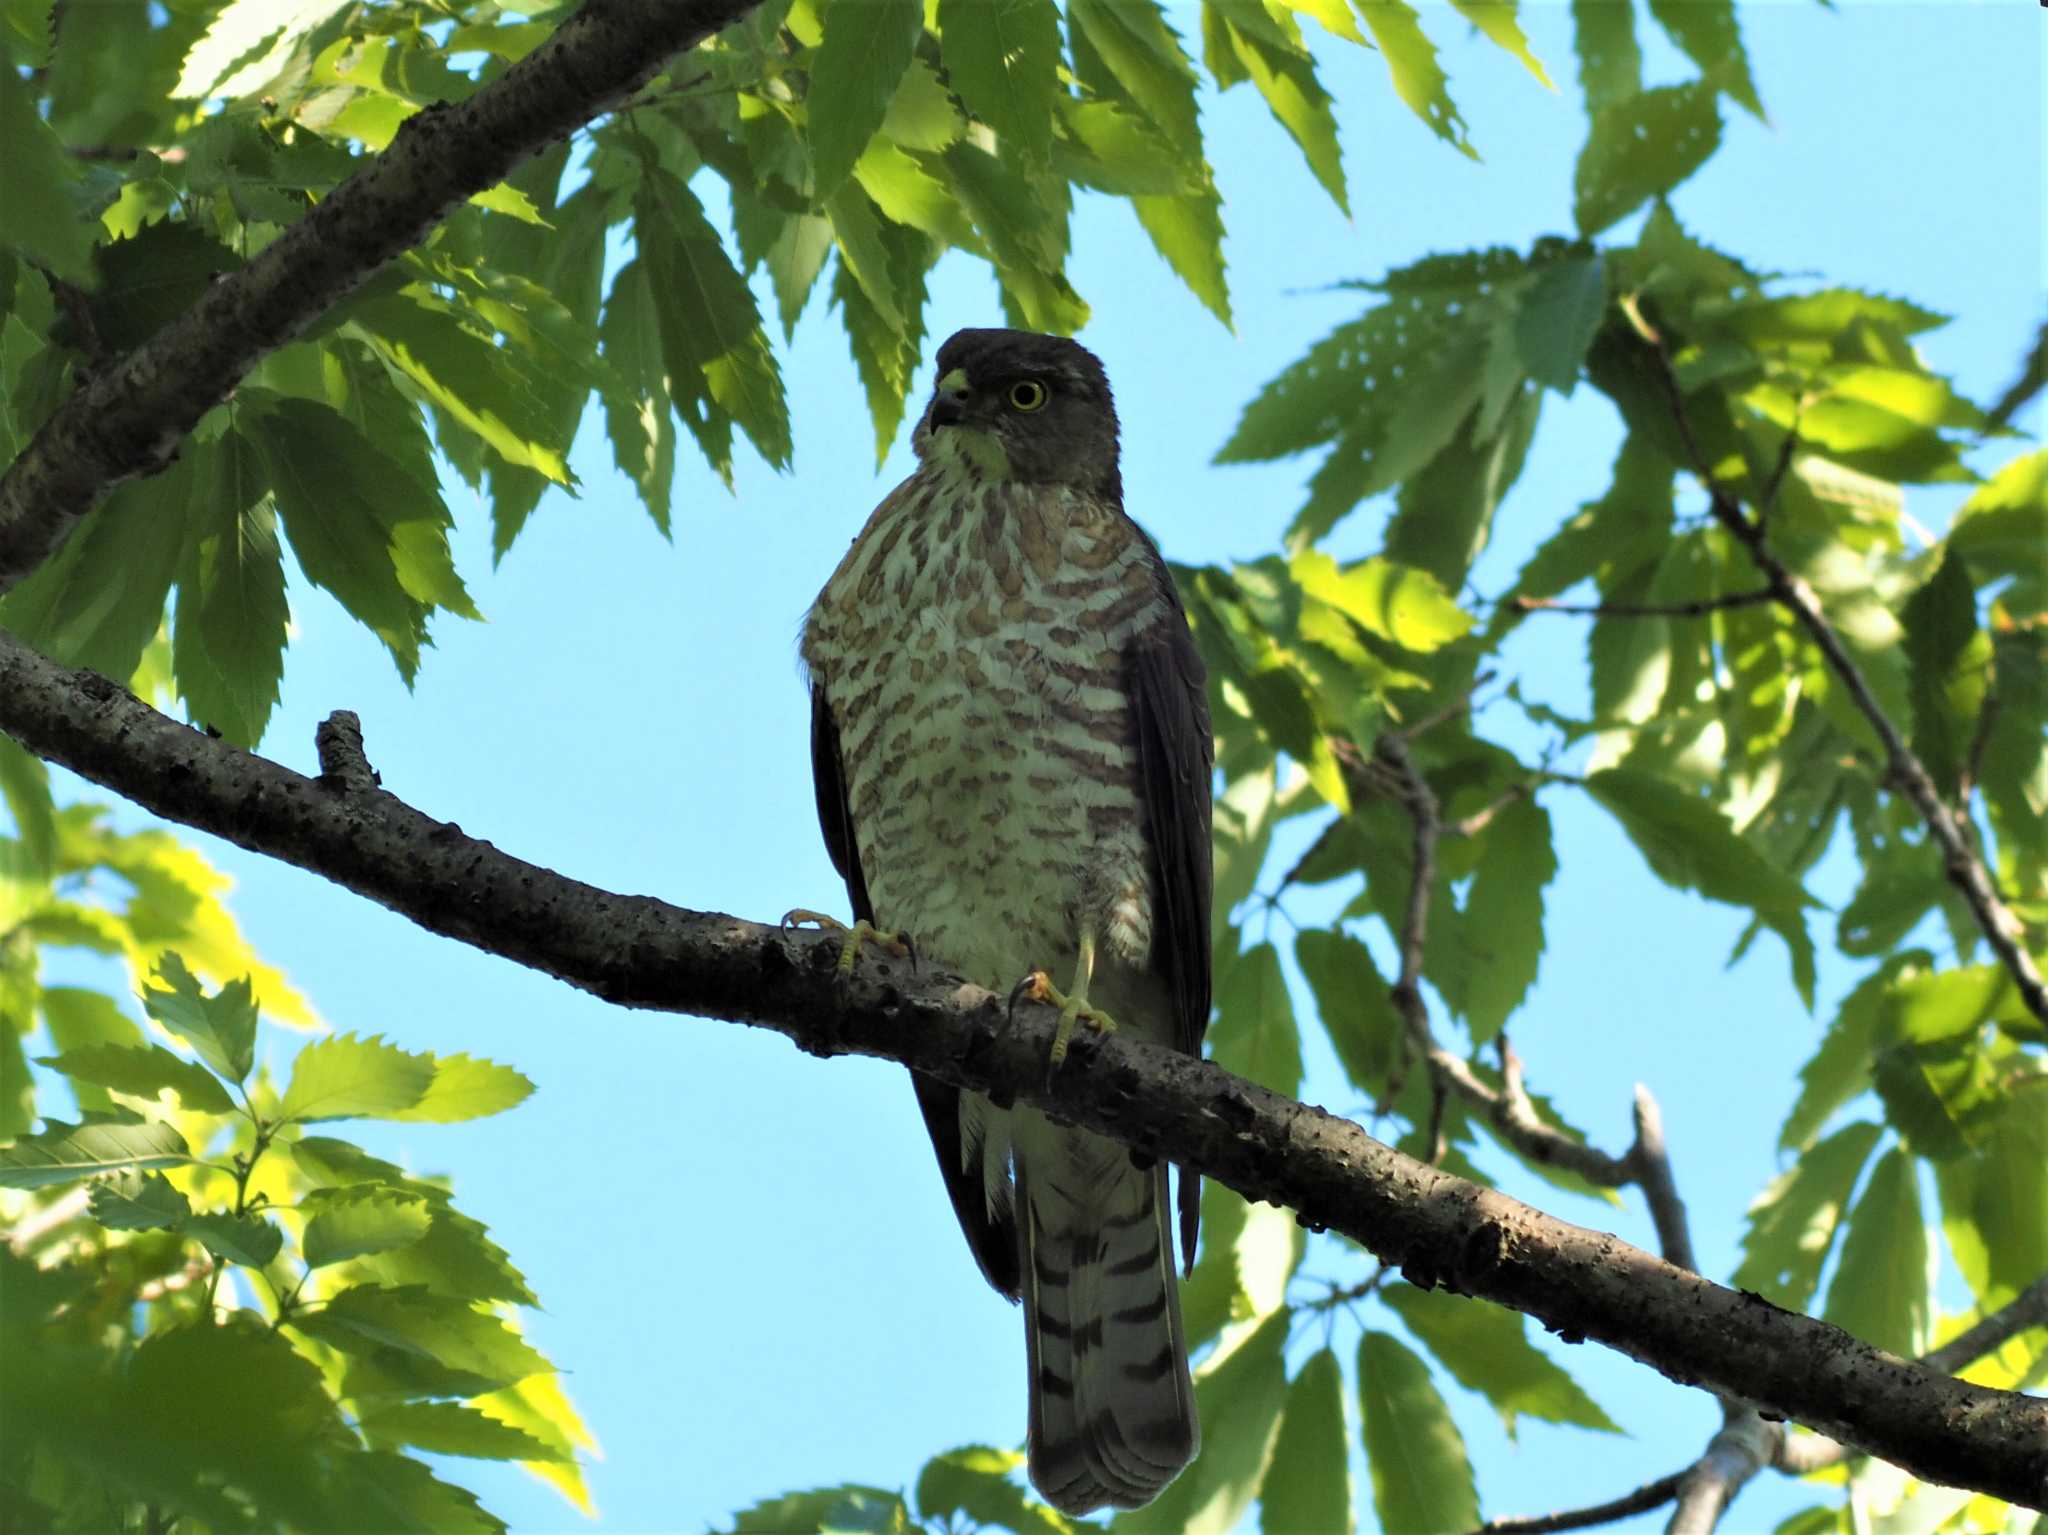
1112, 1408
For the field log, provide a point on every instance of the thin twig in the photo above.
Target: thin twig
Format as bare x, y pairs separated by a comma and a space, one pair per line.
1650, 1495
1699, 609
1965, 869
1651, 1163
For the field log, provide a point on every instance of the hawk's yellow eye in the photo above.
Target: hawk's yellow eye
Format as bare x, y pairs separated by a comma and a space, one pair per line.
1028, 394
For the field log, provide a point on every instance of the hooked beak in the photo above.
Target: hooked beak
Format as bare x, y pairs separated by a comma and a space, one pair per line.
949, 400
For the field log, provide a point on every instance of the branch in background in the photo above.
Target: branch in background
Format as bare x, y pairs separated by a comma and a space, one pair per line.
1699, 609
128, 419
1904, 770
639, 952
1642, 1500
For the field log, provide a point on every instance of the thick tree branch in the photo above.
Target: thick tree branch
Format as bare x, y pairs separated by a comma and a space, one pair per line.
129, 419
640, 952
1904, 770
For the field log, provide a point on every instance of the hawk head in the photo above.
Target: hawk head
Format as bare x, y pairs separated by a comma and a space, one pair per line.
1012, 405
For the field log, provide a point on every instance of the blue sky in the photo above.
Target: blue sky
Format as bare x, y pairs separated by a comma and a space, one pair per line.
751, 1275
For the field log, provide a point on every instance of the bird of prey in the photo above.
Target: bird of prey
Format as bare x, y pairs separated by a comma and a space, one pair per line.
1010, 739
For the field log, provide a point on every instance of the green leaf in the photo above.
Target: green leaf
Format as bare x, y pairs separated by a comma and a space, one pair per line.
466, 1088
1355, 1005
220, 1027
1504, 912
1145, 60
1642, 146
227, 648
455, 1258
78, 1019
355, 520
1610, 64
973, 1483
1418, 78
1691, 846
414, 1322
1881, 1289
64, 1153
1188, 231
1950, 671
854, 75
1994, 1204
344, 1077
1113, 149
137, 1201
448, 1428
1239, 1394
1308, 1485
1421, 1479
25, 788
1027, 247
1487, 1349
795, 258
360, 1220
1497, 22
1556, 319
35, 177
1395, 602
1793, 1222
1254, 1034
144, 1071
1840, 1068
719, 363
1003, 57
641, 423
1707, 31
1286, 77
388, 1491
846, 1510
238, 1238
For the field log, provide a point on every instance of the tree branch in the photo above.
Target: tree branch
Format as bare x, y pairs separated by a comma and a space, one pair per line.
129, 419
1965, 869
641, 952
1650, 1495
1698, 609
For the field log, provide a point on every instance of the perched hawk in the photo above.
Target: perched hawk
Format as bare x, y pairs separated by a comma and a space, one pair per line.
1010, 737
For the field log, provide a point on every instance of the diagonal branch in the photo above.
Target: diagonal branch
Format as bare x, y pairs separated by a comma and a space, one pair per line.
129, 419
640, 952
1965, 869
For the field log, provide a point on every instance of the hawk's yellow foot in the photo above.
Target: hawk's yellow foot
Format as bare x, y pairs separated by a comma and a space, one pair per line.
898, 943
1074, 1009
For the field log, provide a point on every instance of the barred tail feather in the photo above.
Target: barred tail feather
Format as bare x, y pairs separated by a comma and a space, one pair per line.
1112, 1409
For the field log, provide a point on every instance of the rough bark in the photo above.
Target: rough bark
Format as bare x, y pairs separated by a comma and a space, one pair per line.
640, 952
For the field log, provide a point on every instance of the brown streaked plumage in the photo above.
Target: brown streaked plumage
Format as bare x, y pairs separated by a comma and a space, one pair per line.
1010, 738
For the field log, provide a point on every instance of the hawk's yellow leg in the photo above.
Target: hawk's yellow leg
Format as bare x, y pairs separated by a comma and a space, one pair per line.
1073, 1006
861, 932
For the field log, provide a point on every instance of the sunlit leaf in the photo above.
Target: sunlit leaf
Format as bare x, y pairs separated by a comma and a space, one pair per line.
1421, 1479
1641, 146
245, 1239
413, 1321
228, 641
467, 1088
1354, 1003
854, 74
35, 176
361, 1220
137, 1201
1254, 1034
144, 1071
220, 1026
1707, 31
63, 1153
343, 1077
974, 1483
1793, 1223
1003, 57
1487, 1349
1881, 1287
1411, 60
1308, 1484
450, 1428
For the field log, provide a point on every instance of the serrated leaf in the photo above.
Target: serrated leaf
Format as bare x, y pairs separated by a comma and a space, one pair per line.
35, 179
1487, 1349
242, 1239
413, 1321
1027, 247
1610, 63
1880, 1291
1308, 1485
538, 1406
1504, 912
1355, 1005
221, 1027
1949, 660
1411, 60
137, 1201
1286, 77
1421, 1478
640, 423
227, 645
1113, 149
720, 367
364, 1219
844, 1510
1840, 1068
394, 1492
854, 74
1497, 22
449, 1428
1003, 57
1443, 516
973, 1483
1690, 845
1707, 31
1641, 146
1395, 602
346, 1076
1254, 1034
457, 1258
1994, 1204
66, 1153
79, 1019
466, 1088
144, 1071
1792, 1224
1556, 318
1239, 1394
1145, 59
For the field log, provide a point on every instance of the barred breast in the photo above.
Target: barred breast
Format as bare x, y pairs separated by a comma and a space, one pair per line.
970, 647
